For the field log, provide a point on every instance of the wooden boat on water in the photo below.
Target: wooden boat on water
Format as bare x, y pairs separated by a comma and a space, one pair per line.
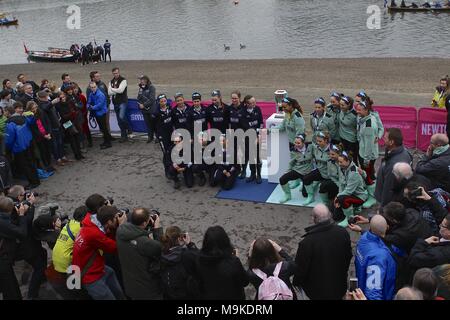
7, 21
49, 56
59, 50
420, 9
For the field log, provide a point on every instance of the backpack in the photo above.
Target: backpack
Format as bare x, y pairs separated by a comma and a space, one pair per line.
273, 288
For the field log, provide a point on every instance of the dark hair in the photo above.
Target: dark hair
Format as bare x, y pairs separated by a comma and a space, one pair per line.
4, 82
80, 213
427, 282
17, 104
348, 100
139, 216
146, 79
263, 254
395, 134
43, 81
106, 213
394, 211
94, 202
20, 75
67, 89
170, 238
92, 74
294, 103
64, 75
10, 110
4, 94
75, 85
217, 243
246, 99
115, 69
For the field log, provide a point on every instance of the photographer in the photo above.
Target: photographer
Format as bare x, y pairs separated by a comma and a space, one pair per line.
30, 248
140, 255
431, 204
177, 249
96, 238
9, 233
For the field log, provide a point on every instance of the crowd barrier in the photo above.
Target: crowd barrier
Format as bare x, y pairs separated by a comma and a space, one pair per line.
417, 125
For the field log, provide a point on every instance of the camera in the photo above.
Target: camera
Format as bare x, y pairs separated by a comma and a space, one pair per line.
125, 211
154, 214
109, 201
352, 220
416, 193
29, 193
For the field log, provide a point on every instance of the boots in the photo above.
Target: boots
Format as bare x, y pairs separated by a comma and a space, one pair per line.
310, 198
201, 179
287, 193
258, 174
252, 174
316, 185
348, 213
243, 172
324, 198
294, 184
371, 199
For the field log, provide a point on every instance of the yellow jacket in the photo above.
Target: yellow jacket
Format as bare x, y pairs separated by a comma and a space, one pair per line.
439, 99
62, 252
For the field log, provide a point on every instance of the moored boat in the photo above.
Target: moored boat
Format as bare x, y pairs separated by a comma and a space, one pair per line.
48, 56
419, 9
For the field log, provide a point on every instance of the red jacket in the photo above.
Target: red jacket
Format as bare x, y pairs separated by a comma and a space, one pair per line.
91, 239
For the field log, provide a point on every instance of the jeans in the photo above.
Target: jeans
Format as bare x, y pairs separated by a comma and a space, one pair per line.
105, 288
57, 144
122, 121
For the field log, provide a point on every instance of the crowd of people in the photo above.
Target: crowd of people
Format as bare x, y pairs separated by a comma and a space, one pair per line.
128, 255
93, 53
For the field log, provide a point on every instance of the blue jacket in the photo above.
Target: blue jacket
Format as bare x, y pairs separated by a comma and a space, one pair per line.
375, 268
18, 133
97, 103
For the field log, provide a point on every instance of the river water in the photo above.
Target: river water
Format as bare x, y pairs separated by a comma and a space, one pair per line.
198, 29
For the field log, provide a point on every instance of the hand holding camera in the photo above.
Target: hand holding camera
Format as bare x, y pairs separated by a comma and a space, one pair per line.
121, 217
420, 194
21, 209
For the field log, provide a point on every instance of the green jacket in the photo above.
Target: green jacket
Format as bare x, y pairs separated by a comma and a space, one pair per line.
347, 125
379, 124
333, 171
2, 125
321, 158
367, 133
301, 161
351, 183
293, 124
324, 123
334, 112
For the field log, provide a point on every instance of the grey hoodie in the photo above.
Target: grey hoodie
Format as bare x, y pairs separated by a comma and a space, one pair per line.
140, 258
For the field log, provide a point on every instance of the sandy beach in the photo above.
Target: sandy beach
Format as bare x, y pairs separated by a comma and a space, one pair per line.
400, 81
133, 173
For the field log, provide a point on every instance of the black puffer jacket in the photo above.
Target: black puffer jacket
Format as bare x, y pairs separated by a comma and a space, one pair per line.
146, 96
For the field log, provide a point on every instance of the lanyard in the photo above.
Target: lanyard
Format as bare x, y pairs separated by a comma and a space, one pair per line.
318, 122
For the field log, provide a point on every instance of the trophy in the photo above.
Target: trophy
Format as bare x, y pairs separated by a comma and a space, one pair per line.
279, 96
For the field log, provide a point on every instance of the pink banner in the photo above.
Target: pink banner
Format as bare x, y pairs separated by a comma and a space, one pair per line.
402, 117
431, 121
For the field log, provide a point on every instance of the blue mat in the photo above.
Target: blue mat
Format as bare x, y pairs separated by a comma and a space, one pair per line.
248, 191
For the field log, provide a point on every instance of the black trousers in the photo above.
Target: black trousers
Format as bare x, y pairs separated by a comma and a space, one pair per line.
108, 53
39, 263
290, 176
25, 164
187, 174
104, 129
311, 177
45, 148
150, 123
255, 166
8, 281
352, 147
74, 140
223, 181
330, 188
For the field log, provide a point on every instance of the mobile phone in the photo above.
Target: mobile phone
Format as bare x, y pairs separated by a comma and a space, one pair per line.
353, 284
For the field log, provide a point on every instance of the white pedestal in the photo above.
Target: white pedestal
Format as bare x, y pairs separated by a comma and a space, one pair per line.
278, 154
